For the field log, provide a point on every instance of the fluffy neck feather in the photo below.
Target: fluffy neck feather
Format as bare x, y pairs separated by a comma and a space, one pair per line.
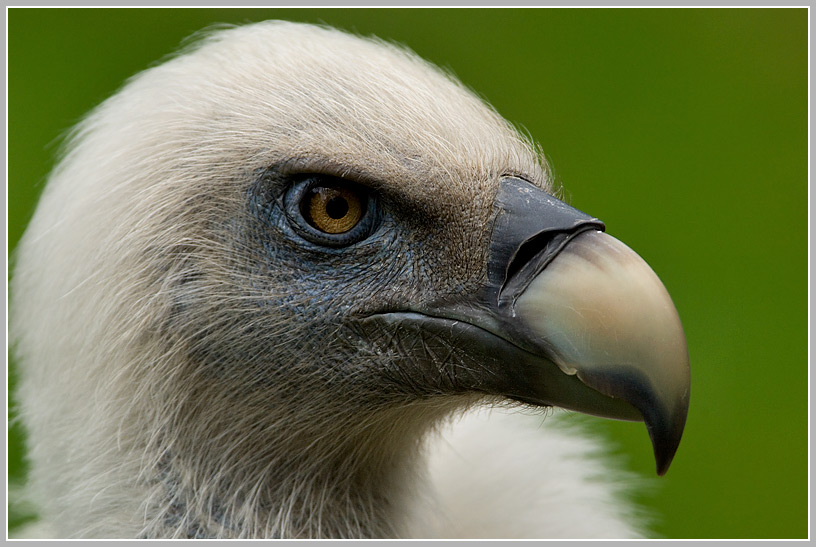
273, 473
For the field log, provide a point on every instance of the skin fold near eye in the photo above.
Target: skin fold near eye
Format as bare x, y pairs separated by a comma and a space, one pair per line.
333, 210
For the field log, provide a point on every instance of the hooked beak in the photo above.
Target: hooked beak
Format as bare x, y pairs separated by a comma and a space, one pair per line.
590, 305
569, 316
604, 316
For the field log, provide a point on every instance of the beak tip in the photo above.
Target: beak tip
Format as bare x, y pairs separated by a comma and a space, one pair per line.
664, 454
665, 431
663, 458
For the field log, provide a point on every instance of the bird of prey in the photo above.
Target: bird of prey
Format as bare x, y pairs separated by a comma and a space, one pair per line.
297, 283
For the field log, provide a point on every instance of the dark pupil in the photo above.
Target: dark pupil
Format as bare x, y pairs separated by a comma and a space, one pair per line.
337, 207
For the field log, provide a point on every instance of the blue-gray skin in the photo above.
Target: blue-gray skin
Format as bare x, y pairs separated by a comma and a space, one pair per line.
380, 310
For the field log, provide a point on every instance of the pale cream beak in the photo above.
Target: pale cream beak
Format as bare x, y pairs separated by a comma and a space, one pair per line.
605, 317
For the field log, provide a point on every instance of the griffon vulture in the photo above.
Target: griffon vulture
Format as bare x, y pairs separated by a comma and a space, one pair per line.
273, 285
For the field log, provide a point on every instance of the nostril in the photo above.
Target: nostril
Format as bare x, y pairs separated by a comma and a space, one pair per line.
529, 259
536, 247
530, 228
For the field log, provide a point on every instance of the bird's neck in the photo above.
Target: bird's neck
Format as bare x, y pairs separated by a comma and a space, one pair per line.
352, 479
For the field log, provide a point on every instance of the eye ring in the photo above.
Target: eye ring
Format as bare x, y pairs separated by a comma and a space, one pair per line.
331, 211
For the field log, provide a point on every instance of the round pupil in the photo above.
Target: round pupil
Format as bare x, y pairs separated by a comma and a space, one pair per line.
337, 207
333, 209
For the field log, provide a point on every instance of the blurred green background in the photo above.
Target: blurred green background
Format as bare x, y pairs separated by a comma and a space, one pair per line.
684, 130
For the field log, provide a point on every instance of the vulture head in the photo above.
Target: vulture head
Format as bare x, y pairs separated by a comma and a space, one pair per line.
266, 269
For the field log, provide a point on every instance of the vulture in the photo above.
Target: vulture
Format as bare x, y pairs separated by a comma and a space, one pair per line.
297, 283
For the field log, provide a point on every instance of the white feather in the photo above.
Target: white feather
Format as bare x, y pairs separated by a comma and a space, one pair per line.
106, 392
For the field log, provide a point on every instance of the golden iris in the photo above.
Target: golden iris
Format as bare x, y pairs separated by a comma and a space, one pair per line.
334, 209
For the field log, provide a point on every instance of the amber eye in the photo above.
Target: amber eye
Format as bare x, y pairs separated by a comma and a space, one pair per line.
333, 209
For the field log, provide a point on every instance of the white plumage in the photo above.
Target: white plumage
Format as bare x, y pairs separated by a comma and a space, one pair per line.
186, 369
